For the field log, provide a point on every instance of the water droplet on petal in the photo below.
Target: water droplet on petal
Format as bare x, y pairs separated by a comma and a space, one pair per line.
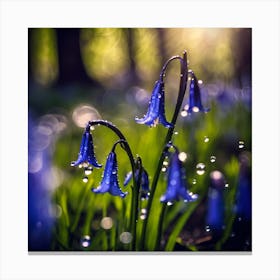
207, 228
169, 203
195, 109
212, 159
85, 179
200, 168
85, 241
72, 163
125, 237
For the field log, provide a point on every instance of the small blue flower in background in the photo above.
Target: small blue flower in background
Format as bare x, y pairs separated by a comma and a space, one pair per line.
156, 111
244, 189
176, 182
215, 205
144, 190
86, 154
110, 181
195, 104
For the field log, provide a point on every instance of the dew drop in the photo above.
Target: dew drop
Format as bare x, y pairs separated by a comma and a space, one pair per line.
207, 229
184, 113
85, 241
92, 127
176, 133
165, 163
88, 170
143, 214
163, 169
239, 219
85, 164
125, 237
200, 82
85, 179
200, 168
226, 185
195, 109
194, 181
72, 163
169, 203
241, 144
212, 159
182, 156
80, 165
206, 139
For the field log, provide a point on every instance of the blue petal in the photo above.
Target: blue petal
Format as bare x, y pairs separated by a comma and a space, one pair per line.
154, 106
90, 156
109, 181
195, 104
83, 149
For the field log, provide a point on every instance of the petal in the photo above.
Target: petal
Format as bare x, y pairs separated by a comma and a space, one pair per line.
82, 153
162, 118
90, 153
106, 179
154, 106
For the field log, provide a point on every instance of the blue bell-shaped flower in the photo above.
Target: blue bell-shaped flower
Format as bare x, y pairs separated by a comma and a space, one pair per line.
86, 154
144, 187
195, 104
156, 111
215, 205
110, 181
176, 182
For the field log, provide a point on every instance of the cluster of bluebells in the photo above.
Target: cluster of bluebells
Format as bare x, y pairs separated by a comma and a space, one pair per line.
176, 179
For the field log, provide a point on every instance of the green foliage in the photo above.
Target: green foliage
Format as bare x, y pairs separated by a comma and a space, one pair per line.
83, 211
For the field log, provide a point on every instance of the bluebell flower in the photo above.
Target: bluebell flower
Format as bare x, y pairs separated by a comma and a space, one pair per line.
110, 181
215, 205
86, 154
244, 190
156, 111
144, 187
176, 182
195, 104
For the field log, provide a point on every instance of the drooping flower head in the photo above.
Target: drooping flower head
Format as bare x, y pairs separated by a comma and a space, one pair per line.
144, 187
86, 154
195, 104
110, 182
176, 182
215, 205
156, 111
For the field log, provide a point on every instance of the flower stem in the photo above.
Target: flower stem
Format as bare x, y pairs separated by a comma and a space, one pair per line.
136, 183
181, 94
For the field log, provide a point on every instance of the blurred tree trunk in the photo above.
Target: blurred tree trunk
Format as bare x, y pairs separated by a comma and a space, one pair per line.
242, 51
132, 74
71, 67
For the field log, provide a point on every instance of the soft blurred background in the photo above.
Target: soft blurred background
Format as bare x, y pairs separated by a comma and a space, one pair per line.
77, 75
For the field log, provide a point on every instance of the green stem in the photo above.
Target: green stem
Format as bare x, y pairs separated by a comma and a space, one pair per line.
181, 94
136, 184
160, 226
